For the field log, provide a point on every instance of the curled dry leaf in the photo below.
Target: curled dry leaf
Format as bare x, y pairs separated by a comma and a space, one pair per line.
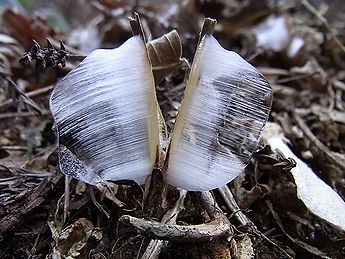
318, 197
75, 240
165, 55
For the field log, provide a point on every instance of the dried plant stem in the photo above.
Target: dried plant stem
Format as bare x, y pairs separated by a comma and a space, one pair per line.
66, 198
178, 233
155, 246
30, 94
154, 200
99, 206
137, 28
154, 249
324, 22
243, 219
207, 28
23, 114
217, 228
232, 205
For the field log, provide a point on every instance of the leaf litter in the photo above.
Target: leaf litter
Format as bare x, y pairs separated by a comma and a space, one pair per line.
308, 81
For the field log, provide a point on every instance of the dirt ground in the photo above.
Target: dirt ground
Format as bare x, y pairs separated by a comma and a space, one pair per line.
297, 45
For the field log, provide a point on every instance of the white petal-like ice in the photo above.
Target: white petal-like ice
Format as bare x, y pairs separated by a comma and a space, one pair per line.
226, 104
107, 116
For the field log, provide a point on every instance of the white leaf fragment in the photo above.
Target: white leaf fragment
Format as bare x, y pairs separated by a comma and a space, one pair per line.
225, 106
272, 33
318, 197
107, 116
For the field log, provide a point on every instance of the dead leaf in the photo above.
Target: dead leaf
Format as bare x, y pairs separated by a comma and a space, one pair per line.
165, 55
24, 29
74, 240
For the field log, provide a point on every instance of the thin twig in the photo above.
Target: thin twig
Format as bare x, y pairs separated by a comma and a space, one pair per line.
217, 228
23, 114
232, 205
99, 206
324, 22
155, 246
30, 94
244, 220
15, 148
178, 233
66, 203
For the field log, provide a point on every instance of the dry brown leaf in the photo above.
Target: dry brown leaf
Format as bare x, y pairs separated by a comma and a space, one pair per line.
74, 240
25, 29
165, 55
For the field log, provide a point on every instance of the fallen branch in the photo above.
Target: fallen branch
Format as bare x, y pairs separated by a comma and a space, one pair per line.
217, 228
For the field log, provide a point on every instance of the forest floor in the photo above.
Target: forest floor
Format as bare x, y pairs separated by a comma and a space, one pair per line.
297, 45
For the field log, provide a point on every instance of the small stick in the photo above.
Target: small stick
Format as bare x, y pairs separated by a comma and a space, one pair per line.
23, 114
107, 191
217, 228
66, 198
324, 22
178, 233
99, 206
155, 246
232, 205
136, 26
30, 94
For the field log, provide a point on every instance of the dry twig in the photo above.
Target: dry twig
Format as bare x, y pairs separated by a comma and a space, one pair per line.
217, 228
324, 22
155, 246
